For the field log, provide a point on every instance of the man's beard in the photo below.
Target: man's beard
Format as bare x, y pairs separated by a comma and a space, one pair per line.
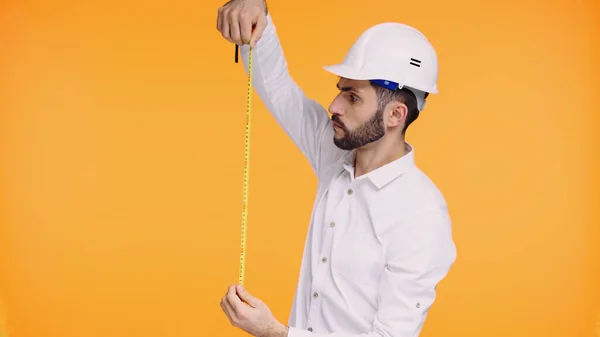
372, 130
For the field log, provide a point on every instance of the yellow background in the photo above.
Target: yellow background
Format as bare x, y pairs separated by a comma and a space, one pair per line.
121, 139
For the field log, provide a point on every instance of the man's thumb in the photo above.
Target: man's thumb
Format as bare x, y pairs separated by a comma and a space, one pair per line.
261, 24
246, 297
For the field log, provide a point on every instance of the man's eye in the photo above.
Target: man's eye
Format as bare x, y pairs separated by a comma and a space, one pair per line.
353, 98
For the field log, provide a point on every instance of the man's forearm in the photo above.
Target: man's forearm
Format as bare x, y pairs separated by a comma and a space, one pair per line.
303, 120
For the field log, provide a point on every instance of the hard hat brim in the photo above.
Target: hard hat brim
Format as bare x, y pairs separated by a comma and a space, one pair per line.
348, 72
345, 71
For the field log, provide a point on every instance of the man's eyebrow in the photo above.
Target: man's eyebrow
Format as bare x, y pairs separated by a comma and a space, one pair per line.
347, 88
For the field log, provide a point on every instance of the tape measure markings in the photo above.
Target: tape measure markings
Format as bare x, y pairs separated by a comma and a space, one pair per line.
246, 174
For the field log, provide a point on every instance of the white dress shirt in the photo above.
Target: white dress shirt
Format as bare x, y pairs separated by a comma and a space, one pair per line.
377, 245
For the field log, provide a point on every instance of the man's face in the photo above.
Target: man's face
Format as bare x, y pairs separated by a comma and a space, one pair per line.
357, 121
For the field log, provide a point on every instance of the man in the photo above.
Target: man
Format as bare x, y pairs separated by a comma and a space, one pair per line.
379, 239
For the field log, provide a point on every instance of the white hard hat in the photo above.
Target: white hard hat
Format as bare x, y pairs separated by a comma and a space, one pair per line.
393, 55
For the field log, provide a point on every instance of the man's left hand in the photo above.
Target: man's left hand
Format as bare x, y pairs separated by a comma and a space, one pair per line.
253, 316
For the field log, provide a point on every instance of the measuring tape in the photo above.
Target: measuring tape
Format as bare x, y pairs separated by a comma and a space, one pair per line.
246, 170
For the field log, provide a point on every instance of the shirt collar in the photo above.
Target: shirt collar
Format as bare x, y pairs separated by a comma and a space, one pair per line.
384, 174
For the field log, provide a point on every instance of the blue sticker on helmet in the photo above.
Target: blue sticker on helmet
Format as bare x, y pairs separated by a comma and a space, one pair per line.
386, 84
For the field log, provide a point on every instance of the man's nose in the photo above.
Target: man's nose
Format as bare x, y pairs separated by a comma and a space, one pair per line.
335, 108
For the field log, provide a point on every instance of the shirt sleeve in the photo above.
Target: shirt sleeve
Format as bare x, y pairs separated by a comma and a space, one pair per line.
305, 121
419, 256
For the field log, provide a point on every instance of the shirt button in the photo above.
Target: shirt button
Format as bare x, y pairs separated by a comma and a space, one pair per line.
315, 295
332, 224
350, 191
324, 259
310, 329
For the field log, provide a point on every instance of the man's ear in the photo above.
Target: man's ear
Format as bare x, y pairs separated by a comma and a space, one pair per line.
397, 114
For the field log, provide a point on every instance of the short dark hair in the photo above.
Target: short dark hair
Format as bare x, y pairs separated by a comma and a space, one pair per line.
385, 96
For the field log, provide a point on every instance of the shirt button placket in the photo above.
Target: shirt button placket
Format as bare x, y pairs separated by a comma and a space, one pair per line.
318, 279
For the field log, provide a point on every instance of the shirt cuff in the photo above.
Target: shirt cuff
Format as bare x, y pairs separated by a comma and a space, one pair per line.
270, 27
295, 332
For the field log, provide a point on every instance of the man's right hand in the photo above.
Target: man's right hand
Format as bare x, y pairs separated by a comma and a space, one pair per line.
242, 21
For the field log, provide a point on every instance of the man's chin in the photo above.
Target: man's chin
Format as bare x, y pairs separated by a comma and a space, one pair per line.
338, 141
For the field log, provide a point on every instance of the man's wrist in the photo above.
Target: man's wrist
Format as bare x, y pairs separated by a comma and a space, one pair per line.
278, 330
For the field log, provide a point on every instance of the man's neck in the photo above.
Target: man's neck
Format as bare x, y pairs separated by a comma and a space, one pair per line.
377, 154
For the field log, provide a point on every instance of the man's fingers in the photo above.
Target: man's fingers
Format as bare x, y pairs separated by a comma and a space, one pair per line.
235, 21
234, 28
227, 309
219, 18
245, 28
224, 27
246, 297
261, 24
223, 23
233, 300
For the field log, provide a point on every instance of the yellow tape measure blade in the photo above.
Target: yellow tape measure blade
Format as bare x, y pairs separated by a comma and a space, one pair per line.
246, 173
